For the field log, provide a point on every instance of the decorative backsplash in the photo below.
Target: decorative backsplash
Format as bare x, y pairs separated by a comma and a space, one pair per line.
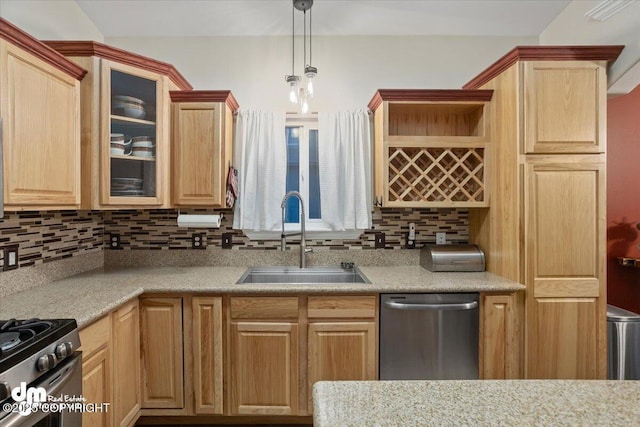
157, 229
43, 237
49, 236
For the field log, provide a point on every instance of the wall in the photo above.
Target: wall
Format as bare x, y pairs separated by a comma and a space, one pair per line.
51, 245
157, 229
350, 68
623, 203
50, 20
571, 26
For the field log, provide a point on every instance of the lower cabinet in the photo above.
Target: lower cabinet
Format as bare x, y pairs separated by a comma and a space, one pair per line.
207, 354
500, 332
264, 368
95, 342
162, 352
342, 337
263, 355
126, 364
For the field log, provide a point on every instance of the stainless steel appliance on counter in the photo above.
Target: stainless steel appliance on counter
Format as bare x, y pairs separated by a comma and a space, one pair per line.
39, 356
429, 336
452, 258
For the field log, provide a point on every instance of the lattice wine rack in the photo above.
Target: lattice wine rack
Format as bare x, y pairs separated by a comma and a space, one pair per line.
419, 175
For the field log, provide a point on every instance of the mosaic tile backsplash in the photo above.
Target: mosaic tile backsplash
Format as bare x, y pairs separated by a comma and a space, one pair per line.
43, 237
157, 229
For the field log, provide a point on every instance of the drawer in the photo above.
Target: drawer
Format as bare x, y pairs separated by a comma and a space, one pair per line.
264, 307
342, 306
95, 335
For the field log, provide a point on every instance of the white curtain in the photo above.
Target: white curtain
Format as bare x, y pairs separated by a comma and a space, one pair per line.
260, 157
344, 144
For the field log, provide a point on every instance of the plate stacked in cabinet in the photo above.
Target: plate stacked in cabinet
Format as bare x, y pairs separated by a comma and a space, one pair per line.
430, 147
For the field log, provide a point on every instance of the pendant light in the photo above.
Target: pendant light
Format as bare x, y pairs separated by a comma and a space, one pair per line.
300, 91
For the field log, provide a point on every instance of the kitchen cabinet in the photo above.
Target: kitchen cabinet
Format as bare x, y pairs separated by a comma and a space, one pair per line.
263, 347
95, 342
499, 331
202, 146
207, 354
564, 107
565, 235
342, 339
126, 364
545, 226
40, 111
162, 352
125, 122
430, 147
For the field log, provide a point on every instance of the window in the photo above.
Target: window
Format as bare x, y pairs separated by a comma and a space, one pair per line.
303, 175
303, 172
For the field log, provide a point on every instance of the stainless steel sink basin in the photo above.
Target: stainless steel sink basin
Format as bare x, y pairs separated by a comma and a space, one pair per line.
294, 275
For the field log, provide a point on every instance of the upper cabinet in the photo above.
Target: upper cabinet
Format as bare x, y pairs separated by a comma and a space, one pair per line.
125, 126
40, 111
430, 147
565, 106
202, 146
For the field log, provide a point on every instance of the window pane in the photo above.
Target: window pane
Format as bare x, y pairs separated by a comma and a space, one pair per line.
314, 176
292, 213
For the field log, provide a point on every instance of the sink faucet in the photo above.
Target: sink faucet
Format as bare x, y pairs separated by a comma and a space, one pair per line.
303, 245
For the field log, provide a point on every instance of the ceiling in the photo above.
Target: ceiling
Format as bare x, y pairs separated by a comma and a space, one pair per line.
185, 18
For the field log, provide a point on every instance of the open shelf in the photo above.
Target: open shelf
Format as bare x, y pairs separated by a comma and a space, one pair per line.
132, 157
436, 119
124, 119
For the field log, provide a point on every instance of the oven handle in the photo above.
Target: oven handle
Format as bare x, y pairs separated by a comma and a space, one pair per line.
430, 307
52, 385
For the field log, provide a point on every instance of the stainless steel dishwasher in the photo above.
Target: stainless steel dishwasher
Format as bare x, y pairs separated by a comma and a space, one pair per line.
429, 336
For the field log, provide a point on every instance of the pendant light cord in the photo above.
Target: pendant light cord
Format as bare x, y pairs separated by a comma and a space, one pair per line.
304, 37
293, 40
310, 45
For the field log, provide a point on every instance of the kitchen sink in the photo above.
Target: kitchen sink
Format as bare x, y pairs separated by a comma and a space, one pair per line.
299, 276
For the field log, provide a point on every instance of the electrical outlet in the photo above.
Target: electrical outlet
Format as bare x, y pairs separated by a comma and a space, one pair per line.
441, 238
10, 257
197, 241
227, 240
380, 241
114, 241
412, 231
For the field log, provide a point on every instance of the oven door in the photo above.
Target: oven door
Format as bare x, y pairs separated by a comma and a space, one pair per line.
64, 380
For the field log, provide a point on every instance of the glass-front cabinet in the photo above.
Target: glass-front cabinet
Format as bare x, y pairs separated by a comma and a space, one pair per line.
132, 148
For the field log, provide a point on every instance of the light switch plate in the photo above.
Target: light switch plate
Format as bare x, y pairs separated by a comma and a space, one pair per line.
10, 257
380, 243
227, 240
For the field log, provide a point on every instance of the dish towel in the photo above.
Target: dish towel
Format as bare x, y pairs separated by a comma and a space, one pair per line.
232, 186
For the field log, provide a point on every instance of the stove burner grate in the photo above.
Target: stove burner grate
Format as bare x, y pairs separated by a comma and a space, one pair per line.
8, 340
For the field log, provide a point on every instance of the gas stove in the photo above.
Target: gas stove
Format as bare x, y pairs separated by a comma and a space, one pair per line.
38, 353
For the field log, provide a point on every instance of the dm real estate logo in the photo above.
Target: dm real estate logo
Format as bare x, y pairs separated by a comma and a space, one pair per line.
28, 399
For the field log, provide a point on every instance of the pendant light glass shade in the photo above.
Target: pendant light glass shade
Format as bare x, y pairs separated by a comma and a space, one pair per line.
301, 89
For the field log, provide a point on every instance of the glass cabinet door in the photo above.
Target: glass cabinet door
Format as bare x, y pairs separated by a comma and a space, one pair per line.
131, 172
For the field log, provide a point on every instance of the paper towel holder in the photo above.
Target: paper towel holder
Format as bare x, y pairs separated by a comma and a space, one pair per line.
199, 220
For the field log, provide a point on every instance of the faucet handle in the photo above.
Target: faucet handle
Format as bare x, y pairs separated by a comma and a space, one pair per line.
347, 265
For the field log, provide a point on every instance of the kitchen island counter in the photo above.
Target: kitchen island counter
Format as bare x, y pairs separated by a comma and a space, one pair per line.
477, 403
88, 296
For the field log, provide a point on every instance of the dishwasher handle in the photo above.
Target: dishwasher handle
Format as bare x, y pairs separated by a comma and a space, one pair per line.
431, 307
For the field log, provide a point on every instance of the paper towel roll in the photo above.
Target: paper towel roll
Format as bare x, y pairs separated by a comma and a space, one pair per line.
199, 221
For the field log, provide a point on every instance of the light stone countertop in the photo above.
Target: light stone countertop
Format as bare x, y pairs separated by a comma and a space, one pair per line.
476, 403
88, 296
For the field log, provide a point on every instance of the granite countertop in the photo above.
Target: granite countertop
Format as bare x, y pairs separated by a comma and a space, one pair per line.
477, 403
88, 296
